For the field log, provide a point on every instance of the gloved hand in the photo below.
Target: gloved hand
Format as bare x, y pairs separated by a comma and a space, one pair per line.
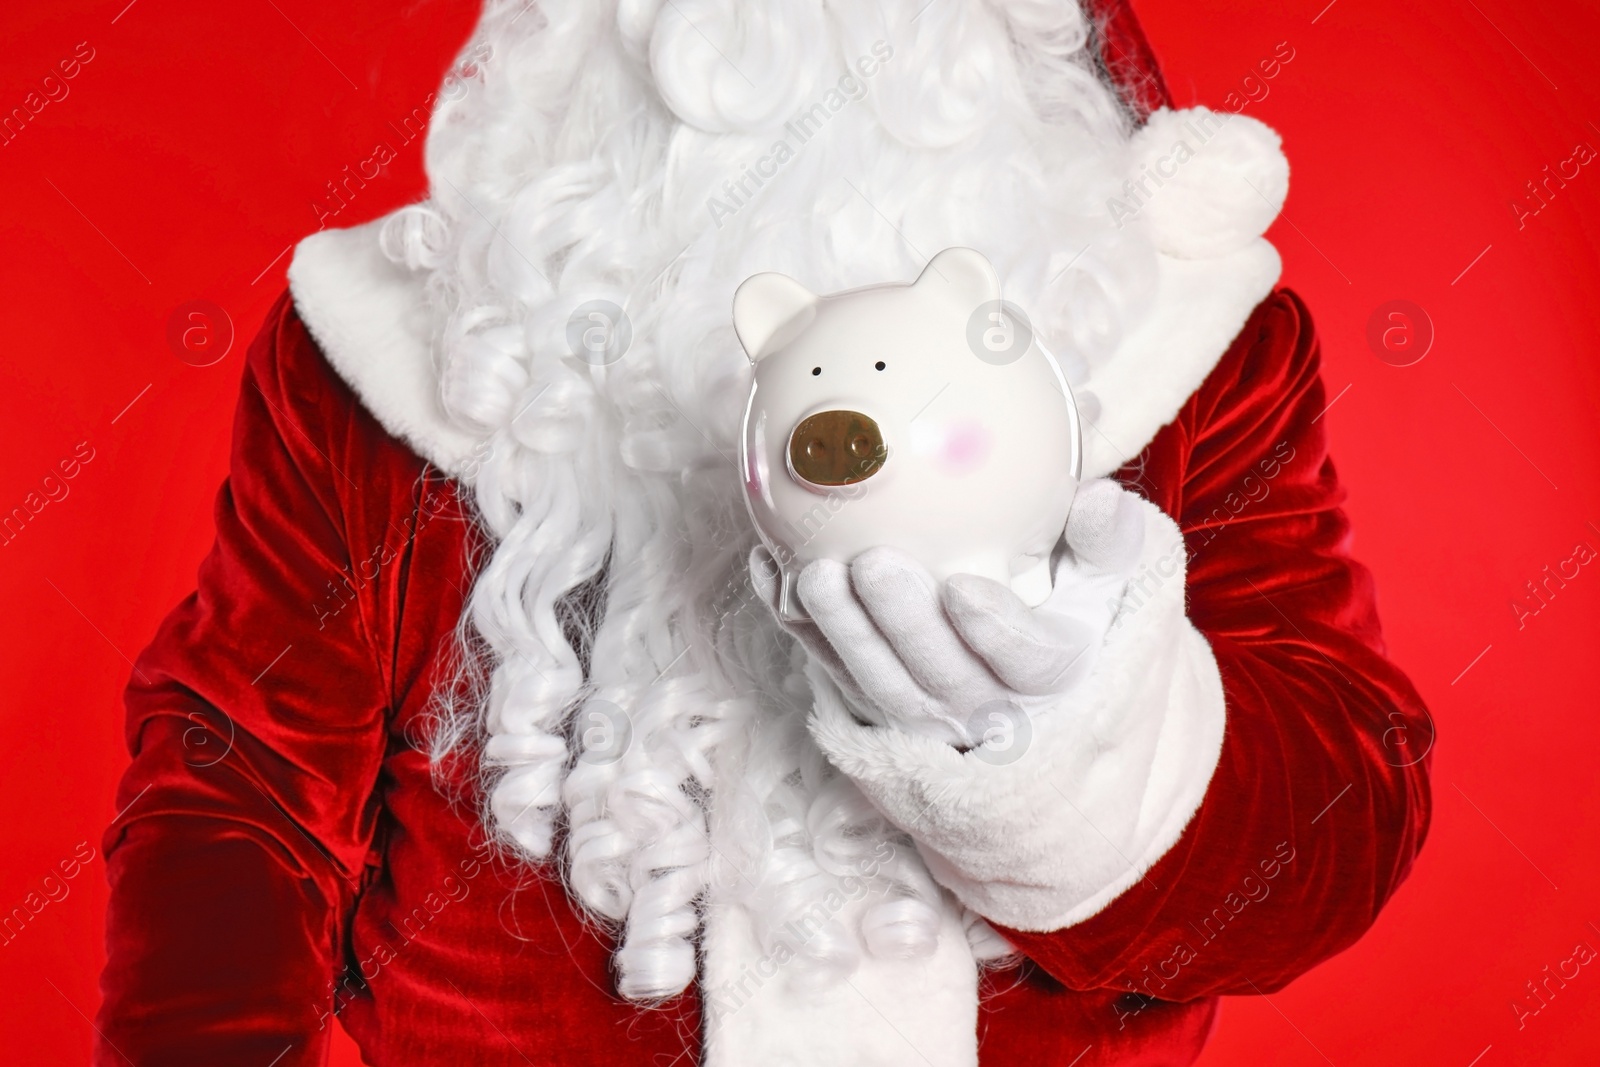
1040, 759
958, 662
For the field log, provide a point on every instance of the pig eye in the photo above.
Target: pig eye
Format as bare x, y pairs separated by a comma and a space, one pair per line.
879, 364
816, 370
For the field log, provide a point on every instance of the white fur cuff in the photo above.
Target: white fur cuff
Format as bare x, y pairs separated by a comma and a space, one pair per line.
1069, 806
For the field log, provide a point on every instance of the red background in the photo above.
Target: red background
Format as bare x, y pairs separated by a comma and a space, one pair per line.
186, 158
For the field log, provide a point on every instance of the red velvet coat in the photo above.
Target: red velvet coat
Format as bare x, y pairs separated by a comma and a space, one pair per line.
285, 857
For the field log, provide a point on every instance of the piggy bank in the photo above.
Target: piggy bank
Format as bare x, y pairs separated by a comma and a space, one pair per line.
926, 417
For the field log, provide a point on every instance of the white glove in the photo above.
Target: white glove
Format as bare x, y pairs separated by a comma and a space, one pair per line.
961, 662
1042, 760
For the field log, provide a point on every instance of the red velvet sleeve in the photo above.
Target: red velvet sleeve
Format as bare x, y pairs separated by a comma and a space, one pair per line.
256, 722
1320, 800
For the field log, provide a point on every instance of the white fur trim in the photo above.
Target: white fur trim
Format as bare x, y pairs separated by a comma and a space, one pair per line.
1103, 788
370, 318
889, 1013
1201, 305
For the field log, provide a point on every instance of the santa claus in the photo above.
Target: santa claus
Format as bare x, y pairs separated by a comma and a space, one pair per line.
481, 734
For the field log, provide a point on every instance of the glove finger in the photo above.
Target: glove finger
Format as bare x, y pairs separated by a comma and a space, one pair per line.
825, 591
1105, 527
1034, 653
903, 600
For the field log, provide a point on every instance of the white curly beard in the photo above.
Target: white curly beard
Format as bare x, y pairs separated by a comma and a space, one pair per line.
629, 153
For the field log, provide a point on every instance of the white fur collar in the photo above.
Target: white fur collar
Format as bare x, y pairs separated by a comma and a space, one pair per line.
369, 317
1201, 306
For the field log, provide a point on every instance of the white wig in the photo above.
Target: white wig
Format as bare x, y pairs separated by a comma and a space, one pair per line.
627, 151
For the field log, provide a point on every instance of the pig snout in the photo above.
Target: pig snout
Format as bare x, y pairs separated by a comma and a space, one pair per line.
838, 447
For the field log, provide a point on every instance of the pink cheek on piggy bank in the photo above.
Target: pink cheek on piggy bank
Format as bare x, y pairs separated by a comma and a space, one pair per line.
966, 445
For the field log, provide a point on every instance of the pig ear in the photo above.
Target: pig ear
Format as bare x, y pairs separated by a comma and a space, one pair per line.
769, 311
962, 276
